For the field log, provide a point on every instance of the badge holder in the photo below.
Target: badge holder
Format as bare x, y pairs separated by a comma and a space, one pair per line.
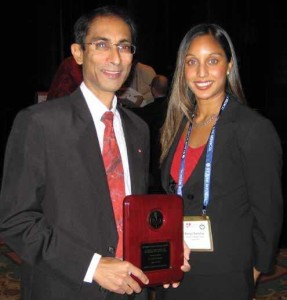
197, 233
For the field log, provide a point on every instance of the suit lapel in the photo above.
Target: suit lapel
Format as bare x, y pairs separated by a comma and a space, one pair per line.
89, 150
166, 165
88, 143
224, 129
135, 152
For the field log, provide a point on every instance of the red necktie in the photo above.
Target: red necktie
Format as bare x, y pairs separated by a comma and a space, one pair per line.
115, 175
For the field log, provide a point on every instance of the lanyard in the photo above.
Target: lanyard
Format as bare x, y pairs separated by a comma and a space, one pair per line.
208, 160
182, 162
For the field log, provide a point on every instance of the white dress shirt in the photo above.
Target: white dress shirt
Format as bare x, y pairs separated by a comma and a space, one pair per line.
97, 109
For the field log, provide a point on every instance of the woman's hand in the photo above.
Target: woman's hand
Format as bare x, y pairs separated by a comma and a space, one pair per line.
185, 267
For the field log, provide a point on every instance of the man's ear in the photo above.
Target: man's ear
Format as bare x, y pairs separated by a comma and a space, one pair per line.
77, 53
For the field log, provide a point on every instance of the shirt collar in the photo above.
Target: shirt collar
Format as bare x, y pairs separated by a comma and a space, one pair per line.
96, 107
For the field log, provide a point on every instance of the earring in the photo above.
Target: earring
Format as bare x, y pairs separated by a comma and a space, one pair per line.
227, 73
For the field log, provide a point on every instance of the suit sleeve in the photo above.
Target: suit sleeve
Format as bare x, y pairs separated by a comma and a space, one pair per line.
23, 225
262, 162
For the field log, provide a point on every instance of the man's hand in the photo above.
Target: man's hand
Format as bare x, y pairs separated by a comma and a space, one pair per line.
185, 267
115, 275
256, 274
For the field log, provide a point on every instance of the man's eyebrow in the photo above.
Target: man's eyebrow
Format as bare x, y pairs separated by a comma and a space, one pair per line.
100, 38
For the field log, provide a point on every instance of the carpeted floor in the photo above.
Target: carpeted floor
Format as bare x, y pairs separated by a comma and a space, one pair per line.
9, 274
272, 287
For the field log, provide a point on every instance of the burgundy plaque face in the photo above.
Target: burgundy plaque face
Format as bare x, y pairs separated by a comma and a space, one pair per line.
153, 236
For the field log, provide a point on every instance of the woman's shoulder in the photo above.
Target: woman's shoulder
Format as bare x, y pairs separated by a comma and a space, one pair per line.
246, 113
252, 122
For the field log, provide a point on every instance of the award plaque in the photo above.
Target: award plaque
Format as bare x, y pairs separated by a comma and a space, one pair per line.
153, 236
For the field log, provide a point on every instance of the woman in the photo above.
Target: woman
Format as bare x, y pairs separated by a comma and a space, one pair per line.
225, 160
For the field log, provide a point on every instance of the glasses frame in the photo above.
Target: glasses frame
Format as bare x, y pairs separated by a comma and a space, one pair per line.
94, 43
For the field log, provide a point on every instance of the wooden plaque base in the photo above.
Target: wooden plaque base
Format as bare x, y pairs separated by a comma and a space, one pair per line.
153, 236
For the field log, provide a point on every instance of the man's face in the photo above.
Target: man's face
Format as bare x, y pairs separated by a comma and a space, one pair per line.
105, 70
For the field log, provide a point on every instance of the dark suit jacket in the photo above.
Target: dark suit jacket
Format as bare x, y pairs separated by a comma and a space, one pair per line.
55, 208
154, 115
245, 205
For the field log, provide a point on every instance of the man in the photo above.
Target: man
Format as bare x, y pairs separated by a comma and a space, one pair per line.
136, 91
141, 80
56, 210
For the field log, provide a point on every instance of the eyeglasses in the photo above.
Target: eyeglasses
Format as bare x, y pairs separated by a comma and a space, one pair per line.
105, 46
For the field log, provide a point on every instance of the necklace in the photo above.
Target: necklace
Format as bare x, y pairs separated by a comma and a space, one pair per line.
205, 122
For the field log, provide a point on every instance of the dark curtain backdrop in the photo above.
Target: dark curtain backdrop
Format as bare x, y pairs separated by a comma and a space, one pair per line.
258, 33
258, 38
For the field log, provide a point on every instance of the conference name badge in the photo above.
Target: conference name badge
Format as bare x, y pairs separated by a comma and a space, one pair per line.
197, 233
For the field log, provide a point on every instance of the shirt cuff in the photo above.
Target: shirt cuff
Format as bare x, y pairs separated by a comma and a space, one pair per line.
92, 268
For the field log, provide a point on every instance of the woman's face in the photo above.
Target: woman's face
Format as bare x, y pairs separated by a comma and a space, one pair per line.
206, 68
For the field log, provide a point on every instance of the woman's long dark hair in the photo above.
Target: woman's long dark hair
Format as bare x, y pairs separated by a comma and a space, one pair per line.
182, 99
